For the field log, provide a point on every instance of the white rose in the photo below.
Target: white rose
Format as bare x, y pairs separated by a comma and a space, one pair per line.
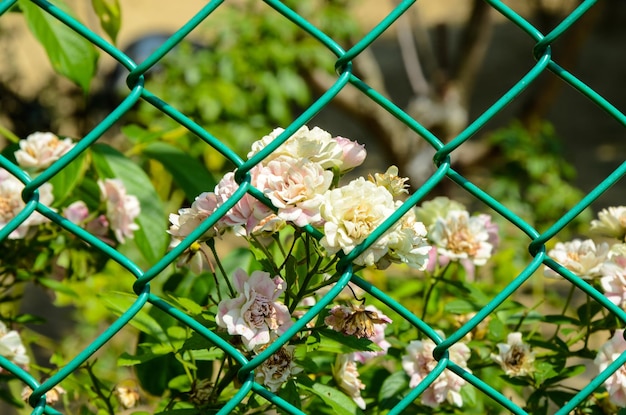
40, 150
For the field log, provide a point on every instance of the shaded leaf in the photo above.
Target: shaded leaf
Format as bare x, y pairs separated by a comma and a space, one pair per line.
187, 172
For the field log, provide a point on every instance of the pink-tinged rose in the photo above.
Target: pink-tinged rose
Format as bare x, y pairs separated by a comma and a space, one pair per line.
515, 357
188, 219
296, 188
11, 203
377, 338
460, 236
76, 212
419, 362
616, 383
611, 222
315, 145
40, 150
613, 280
255, 313
356, 320
249, 216
353, 153
121, 209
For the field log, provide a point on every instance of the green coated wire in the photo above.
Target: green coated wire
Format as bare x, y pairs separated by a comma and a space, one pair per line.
442, 159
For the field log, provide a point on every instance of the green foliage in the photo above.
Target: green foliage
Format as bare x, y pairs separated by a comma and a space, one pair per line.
187, 172
233, 87
529, 171
110, 16
70, 54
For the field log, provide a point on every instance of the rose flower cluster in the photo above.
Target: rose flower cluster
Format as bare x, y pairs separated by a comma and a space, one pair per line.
301, 181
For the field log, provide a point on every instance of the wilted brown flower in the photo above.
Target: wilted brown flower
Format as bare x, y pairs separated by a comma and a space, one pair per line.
355, 321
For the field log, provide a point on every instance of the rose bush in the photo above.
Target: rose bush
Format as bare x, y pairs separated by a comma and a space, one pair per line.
290, 241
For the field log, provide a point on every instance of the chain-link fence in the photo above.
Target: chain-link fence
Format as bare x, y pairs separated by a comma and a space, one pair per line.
345, 77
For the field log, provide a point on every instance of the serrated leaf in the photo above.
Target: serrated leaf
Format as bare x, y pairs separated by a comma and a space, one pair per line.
109, 14
70, 54
151, 238
187, 172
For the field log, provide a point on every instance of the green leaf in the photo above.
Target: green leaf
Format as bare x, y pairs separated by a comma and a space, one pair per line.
337, 400
143, 355
138, 134
109, 14
70, 54
332, 340
560, 397
393, 386
57, 286
67, 179
568, 372
187, 304
155, 374
151, 238
588, 310
119, 302
207, 354
460, 306
561, 319
180, 383
196, 342
188, 173
544, 370
290, 394
29, 319
183, 411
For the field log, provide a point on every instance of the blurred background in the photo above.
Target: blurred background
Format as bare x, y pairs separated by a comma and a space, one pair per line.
445, 62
